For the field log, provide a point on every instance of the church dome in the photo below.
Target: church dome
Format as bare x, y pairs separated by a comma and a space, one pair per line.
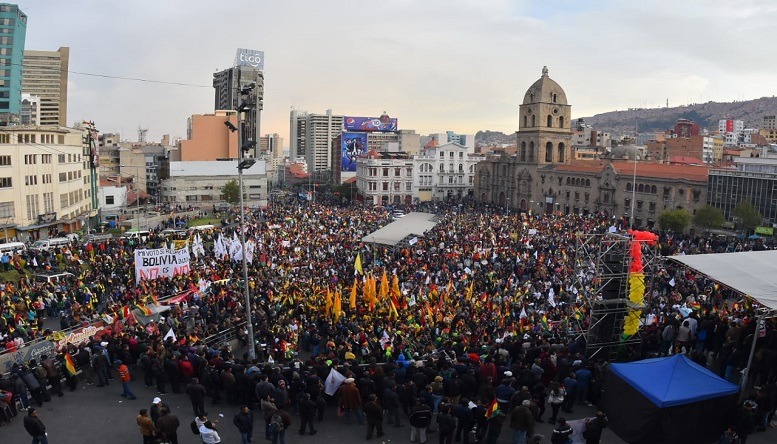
545, 90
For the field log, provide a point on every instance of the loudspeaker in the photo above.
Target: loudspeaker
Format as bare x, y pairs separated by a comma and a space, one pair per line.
607, 320
612, 265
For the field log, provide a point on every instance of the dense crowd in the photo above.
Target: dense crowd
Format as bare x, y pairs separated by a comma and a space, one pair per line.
487, 305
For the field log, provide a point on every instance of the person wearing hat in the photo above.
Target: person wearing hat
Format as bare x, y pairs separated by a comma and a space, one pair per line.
124, 376
561, 433
155, 410
351, 401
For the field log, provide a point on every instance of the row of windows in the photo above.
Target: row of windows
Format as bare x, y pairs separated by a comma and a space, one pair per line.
452, 154
71, 198
530, 153
372, 172
549, 121
70, 175
373, 186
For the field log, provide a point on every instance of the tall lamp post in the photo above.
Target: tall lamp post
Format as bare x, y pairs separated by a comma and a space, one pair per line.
244, 163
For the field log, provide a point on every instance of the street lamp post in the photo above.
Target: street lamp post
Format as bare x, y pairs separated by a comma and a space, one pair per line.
243, 164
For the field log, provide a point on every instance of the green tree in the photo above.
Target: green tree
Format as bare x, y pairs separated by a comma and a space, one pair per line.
747, 215
231, 191
675, 220
708, 217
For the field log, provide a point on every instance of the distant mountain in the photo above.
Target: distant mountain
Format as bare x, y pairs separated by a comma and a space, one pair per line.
494, 138
705, 114
643, 120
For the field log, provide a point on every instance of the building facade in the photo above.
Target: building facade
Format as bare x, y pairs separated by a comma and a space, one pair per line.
444, 172
45, 75
385, 178
754, 180
544, 177
13, 32
208, 138
30, 110
45, 181
227, 85
200, 183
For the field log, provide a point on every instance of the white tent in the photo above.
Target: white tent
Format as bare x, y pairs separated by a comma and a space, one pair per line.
414, 223
753, 273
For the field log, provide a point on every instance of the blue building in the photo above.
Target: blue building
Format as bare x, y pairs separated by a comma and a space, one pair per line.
13, 30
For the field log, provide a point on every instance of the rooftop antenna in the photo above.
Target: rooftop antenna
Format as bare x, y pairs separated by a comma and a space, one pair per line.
142, 134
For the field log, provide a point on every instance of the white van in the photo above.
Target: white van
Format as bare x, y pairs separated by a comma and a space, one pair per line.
141, 235
201, 228
50, 244
12, 247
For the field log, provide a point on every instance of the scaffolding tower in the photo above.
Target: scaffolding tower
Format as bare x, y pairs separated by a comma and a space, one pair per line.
602, 267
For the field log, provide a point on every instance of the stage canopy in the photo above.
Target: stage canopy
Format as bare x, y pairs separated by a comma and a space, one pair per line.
414, 223
753, 273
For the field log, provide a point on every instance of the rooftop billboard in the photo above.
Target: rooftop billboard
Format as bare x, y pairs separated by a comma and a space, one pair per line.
353, 145
382, 124
249, 57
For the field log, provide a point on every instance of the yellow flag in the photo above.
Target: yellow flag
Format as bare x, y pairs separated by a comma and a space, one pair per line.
338, 306
352, 300
470, 289
357, 264
384, 286
329, 302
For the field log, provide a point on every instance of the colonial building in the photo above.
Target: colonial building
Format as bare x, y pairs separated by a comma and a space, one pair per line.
444, 172
385, 178
544, 175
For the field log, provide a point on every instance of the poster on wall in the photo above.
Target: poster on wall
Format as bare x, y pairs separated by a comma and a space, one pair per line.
353, 145
160, 262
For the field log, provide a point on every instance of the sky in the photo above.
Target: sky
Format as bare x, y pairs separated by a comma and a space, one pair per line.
436, 65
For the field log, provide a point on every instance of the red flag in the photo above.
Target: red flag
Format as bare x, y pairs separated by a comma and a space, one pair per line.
492, 409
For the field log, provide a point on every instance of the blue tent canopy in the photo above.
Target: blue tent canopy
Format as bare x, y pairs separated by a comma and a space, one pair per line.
673, 381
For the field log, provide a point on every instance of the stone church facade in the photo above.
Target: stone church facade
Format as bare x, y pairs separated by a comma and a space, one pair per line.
544, 176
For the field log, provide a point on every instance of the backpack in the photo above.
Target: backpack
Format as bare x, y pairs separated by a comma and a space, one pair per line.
194, 427
276, 422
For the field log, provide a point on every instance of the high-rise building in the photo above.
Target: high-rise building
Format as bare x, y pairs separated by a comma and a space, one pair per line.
45, 75
13, 31
311, 136
228, 84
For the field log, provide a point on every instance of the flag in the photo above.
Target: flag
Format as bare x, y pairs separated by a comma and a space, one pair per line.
70, 366
333, 382
170, 334
357, 265
672, 282
338, 306
470, 289
145, 311
544, 322
329, 302
384, 286
492, 409
523, 313
352, 299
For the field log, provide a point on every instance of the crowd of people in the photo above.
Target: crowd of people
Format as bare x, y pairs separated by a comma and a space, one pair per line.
476, 324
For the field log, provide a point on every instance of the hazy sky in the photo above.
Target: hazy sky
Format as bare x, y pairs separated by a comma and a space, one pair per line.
436, 65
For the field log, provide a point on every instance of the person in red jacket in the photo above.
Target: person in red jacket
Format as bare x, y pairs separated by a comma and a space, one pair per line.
186, 368
124, 376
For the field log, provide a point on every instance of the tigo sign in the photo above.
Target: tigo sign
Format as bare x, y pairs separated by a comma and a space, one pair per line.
249, 57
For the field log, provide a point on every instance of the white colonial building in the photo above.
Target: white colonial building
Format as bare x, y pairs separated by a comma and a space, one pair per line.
200, 182
46, 182
444, 172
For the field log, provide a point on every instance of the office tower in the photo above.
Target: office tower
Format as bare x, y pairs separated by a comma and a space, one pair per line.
13, 30
227, 85
45, 76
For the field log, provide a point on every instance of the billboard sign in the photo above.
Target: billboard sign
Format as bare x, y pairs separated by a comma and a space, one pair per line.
352, 145
382, 124
160, 262
249, 57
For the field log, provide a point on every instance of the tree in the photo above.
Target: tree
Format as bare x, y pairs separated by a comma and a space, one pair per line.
708, 217
747, 215
675, 220
231, 192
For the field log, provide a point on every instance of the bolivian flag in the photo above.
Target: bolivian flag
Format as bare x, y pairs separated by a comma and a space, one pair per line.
70, 366
492, 409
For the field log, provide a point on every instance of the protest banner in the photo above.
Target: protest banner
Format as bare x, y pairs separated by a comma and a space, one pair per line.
160, 262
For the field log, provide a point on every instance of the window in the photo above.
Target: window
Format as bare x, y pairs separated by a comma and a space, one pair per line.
60, 158
62, 177
385, 172
409, 186
639, 205
549, 151
109, 200
5, 182
550, 121
48, 202
577, 195
385, 186
30, 159
45, 158
396, 186
652, 206
627, 203
397, 172
32, 206
6, 209
30, 180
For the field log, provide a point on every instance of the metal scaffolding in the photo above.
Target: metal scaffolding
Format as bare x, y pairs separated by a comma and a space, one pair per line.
602, 264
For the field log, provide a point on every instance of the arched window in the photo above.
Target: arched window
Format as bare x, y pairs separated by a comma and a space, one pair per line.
653, 189
567, 181
525, 121
588, 182
549, 152
442, 168
628, 186
562, 152
550, 121
577, 181
640, 188
531, 148
533, 120
523, 151
554, 97
561, 122
461, 167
